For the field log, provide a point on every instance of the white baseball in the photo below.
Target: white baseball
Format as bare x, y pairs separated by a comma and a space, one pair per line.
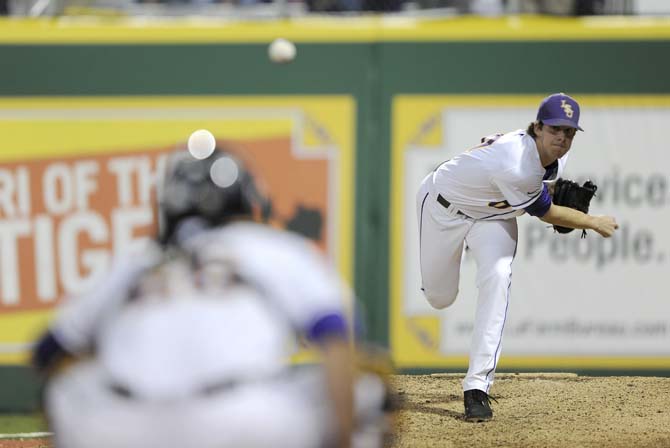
281, 51
201, 144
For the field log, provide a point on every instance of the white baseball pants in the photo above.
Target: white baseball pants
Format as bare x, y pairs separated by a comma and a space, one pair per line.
84, 412
443, 234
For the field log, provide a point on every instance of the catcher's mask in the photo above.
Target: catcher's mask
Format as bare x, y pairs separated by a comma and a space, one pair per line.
197, 194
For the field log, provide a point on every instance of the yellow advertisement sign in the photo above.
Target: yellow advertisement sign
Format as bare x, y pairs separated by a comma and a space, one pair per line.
77, 178
591, 303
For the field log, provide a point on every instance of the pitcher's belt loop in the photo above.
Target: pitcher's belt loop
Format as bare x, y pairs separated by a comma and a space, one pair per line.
446, 204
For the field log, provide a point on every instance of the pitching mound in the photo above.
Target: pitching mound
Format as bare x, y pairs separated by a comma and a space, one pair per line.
537, 410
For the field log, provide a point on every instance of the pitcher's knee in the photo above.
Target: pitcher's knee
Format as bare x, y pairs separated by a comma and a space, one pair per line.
500, 273
503, 270
440, 299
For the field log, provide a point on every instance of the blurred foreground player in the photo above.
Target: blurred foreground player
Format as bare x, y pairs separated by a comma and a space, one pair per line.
187, 343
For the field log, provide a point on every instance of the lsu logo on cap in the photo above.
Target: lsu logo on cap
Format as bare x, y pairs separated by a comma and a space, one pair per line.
567, 108
559, 110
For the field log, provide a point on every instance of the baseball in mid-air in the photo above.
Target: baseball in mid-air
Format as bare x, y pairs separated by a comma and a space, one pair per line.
281, 51
201, 144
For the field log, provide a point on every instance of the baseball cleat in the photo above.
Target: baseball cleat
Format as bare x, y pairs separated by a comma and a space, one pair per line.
477, 406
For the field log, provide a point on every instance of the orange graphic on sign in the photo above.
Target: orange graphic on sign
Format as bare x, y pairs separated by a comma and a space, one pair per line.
62, 220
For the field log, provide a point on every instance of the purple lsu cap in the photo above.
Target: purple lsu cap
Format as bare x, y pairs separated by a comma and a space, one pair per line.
559, 110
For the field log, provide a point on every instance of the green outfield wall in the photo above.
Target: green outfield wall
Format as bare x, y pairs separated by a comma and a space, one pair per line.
369, 61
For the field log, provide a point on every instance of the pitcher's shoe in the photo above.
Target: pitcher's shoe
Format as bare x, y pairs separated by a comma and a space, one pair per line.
477, 406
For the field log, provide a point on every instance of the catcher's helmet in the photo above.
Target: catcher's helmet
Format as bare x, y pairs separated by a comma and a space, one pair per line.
197, 194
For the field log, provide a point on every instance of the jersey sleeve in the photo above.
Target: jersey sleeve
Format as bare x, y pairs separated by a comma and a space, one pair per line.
290, 273
77, 321
541, 205
307, 289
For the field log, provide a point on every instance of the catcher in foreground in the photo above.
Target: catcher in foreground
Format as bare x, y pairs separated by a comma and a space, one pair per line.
473, 199
186, 343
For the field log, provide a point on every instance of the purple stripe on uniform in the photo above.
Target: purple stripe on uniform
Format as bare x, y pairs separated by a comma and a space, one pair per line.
330, 325
420, 233
550, 170
421, 218
495, 354
541, 206
497, 215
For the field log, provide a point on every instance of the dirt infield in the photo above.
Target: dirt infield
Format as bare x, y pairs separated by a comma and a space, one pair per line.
537, 410
26, 443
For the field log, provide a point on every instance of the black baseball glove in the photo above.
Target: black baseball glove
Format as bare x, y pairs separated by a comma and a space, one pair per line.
568, 193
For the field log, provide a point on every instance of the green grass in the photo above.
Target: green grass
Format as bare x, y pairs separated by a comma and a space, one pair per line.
18, 423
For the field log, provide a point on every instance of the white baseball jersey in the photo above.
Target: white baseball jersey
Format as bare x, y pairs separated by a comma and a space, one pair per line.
284, 266
271, 285
176, 347
495, 180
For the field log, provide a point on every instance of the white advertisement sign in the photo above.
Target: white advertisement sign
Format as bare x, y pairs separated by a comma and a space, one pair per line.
570, 296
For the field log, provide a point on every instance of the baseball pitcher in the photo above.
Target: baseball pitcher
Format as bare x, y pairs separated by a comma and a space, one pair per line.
472, 201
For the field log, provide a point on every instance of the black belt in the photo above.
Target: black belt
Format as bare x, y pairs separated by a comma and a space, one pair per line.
446, 204
123, 391
212, 389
